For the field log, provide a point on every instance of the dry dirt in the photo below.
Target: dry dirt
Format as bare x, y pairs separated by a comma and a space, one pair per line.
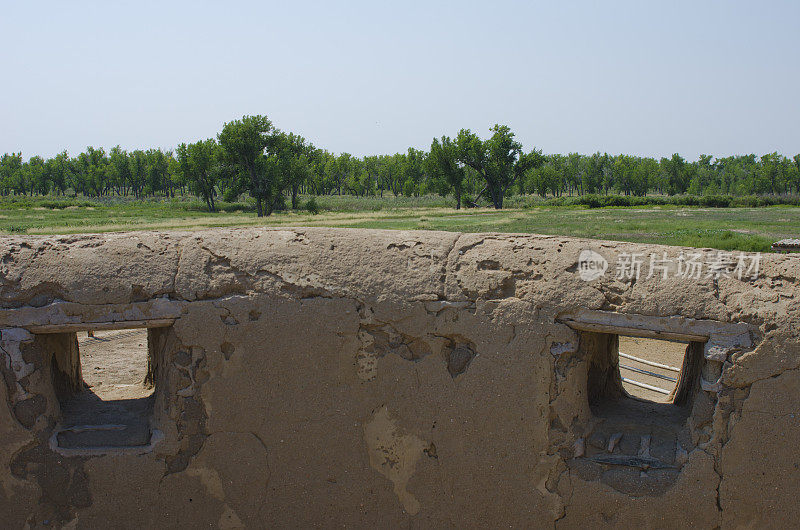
114, 363
660, 351
113, 410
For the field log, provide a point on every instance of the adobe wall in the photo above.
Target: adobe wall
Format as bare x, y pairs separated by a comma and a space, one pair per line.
336, 377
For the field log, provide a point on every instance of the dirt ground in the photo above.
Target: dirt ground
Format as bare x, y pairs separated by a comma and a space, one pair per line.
660, 351
114, 410
114, 363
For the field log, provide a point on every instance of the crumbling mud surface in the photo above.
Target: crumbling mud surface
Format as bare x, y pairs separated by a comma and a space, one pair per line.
362, 378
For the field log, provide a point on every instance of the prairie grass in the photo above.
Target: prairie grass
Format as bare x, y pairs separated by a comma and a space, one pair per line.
747, 229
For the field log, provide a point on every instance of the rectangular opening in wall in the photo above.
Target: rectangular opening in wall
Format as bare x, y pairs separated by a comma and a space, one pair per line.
641, 379
650, 368
109, 402
647, 390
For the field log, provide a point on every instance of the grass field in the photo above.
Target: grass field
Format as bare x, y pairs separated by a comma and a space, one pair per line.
748, 229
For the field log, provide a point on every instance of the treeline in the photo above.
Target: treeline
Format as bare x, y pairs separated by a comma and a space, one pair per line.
251, 156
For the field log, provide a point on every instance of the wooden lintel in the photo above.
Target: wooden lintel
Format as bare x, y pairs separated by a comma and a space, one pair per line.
597, 327
99, 326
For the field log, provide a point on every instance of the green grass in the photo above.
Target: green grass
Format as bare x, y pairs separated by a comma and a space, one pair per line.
747, 229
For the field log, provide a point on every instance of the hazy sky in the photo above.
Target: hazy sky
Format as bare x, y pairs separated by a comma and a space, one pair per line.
639, 77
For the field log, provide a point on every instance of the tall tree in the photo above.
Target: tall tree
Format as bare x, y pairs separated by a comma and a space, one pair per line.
443, 164
413, 171
794, 175
138, 171
675, 170
59, 170
244, 142
11, 177
157, 171
119, 169
197, 165
494, 160
294, 152
37, 176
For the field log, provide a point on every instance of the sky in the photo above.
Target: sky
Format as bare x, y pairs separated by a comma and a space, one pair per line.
637, 77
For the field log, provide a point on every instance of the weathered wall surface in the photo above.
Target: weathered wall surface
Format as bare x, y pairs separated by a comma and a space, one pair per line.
355, 377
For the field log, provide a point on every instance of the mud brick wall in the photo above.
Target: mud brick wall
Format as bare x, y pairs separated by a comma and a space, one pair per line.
337, 377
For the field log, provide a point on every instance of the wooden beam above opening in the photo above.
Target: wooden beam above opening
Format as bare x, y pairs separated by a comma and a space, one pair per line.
100, 326
628, 331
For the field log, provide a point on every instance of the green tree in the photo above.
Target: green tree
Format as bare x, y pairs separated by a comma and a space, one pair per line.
794, 175
770, 173
390, 173
271, 171
10, 168
244, 143
138, 172
59, 171
413, 171
92, 176
197, 163
157, 172
593, 182
543, 179
677, 179
37, 176
295, 153
443, 165
493, 159
119, 169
